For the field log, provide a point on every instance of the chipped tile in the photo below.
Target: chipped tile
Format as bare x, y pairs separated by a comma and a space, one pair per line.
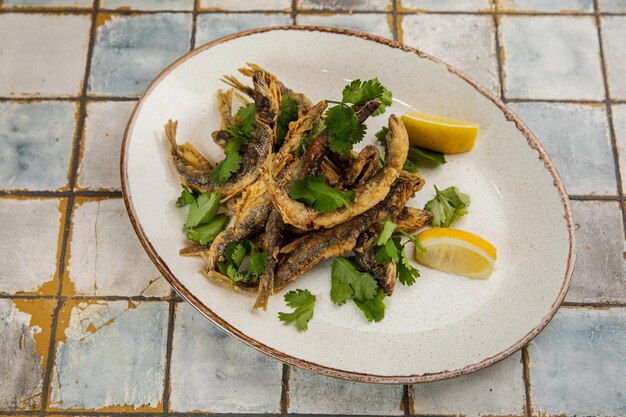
445, 5
105, 256
464, 41
42, 54
613, 35
242, 5
599, 275
24, 339
349, 5
576, 137
131, 50
99, 167
496, 390
376, 24
612, 6
110, 354
311, 393
619, 127
211, 26
36, 135
146, 4
577, 364
550, 6
29, 227
82, 4
214, 372
551, 57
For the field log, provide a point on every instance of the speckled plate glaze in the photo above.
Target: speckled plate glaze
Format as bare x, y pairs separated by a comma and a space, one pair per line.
442, 326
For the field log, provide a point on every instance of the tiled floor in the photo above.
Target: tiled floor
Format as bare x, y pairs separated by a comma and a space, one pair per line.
88, 325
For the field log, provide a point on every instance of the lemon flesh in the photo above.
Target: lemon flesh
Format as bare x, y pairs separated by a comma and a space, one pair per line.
439, 134
457, 252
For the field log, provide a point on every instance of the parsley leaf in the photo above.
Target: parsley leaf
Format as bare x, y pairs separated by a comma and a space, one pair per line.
288, 112
386, 99
202, 209
186, 197
405, 272
391, 249
258, 260
447, 206
358, 92
347, 282
374, 309
206, 232
303, 303
233, 265
344, 129
313, 191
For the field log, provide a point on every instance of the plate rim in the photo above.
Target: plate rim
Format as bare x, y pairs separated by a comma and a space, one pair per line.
225, 326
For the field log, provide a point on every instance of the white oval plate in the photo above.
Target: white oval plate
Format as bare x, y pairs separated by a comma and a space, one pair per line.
442, 326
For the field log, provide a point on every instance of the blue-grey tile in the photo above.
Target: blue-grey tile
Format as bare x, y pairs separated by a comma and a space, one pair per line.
36, 143
147, 4
577, 364
315, 394
240, 5
614, 42
551, 57
214, 372
445, 5
612, 6
576, 137
550, 6
619, 125
110, 354
599, 275
370, 5
376, 24
211, 26
83, 4
130, 51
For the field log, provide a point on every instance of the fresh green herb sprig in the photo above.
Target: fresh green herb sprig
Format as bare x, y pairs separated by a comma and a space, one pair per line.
416, 156
303, 303
287, 113
391, 249
234, 267
448, 206
313, 191
203, 223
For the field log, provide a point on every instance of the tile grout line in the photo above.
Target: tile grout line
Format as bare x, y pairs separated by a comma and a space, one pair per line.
61, 194
406, 400
526, 378
168, 357
284, 392
394, 17
294, 12
500, 64
194, 20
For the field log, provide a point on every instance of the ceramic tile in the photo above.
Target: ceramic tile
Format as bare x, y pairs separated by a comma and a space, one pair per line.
619, 126
211, 26
497, 390
376, 24
612, 6
24, 340
376, 5
599, 275
311, 393
577, 364
110, 354
99, 167
550, 57
29, 227
147, 4
34, 136
445, 5
464, 41
240, 5
550, 6
214, 372
105, 256
576, 137
613, 35
130, 51
82, 4
42, 54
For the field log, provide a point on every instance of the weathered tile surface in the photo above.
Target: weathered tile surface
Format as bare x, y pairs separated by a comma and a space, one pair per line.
102, 141
83, 4
24, 340
445, 5
377, 24
211, 26
105, 256
245, 5
36, 144
42, 55
577, 364
599, 275
552, 6
131, 50
378, 5
147, 4
577, 139
29, 236
214, 372
311, 393
497, 390
467, 42
619, 125
613, 40
110, 354
551, 57
612, 6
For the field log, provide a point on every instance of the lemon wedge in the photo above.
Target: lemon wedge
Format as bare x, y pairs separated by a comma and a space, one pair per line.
439, 134
456, 251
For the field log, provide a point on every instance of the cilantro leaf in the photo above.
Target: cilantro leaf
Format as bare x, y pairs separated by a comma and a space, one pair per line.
391, 249
381, 135
344, 129
203, 209
306, 139
206, 232
231, 163
186, 197
409, 166
347, 282
358, 92
313, 191
258, 260
233, 265
447, 206
406, 273
374, 309
417, 155
288, 112
247, 123
303, 303
386, 99
235, 252
388, 251
388, 228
